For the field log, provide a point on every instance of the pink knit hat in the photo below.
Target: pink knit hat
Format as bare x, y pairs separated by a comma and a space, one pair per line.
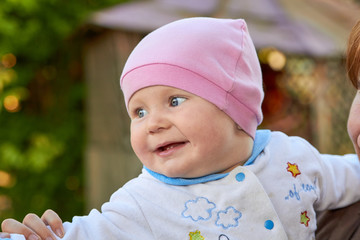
211, 58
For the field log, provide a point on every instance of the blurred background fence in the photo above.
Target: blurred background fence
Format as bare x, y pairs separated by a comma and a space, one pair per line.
64, 130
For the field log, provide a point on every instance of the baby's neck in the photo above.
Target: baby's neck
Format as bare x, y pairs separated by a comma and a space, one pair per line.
244, 153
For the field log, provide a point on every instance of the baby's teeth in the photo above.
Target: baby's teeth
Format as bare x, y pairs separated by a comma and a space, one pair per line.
169, 147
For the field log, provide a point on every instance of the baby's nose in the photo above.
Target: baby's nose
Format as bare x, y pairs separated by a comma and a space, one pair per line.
157, 123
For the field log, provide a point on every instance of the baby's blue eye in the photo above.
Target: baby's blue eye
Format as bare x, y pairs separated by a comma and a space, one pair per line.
141, 112
176, 101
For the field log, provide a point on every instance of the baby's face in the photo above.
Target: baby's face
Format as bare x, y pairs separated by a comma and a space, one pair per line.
354, 123
178, 134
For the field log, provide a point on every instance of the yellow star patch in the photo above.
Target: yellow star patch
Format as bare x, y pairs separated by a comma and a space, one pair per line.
293, 169
196, 235
304, 219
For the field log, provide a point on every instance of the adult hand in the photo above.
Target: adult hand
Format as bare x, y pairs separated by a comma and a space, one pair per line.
35, 228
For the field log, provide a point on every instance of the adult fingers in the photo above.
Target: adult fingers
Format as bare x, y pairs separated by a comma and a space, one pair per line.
52, 219
13, 226
37, 225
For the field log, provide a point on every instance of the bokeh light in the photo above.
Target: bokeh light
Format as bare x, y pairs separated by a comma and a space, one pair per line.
8, 60
12, 103
273, 57
7, 76
6, 180
276, 60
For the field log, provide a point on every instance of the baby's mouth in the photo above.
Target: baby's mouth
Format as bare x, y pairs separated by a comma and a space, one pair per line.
169, 146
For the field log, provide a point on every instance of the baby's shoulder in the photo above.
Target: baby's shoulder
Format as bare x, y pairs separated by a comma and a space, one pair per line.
283, 143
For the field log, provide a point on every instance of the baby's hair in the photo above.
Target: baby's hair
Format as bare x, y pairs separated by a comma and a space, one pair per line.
353, 55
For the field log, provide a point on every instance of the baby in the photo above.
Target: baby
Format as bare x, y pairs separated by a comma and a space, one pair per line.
193, 90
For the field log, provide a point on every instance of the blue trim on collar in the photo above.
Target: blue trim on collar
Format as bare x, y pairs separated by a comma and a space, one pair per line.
186, 181
262, 138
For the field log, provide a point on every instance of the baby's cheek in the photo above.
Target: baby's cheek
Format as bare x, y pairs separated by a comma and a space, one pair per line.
136, 143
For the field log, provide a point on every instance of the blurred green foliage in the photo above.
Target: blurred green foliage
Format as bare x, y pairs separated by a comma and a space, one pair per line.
42, 129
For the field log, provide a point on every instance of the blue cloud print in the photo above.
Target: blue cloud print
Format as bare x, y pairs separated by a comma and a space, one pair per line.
228, 218
198, 209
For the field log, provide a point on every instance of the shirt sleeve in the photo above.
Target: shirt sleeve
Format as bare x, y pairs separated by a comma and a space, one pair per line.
340, 181
119, 218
